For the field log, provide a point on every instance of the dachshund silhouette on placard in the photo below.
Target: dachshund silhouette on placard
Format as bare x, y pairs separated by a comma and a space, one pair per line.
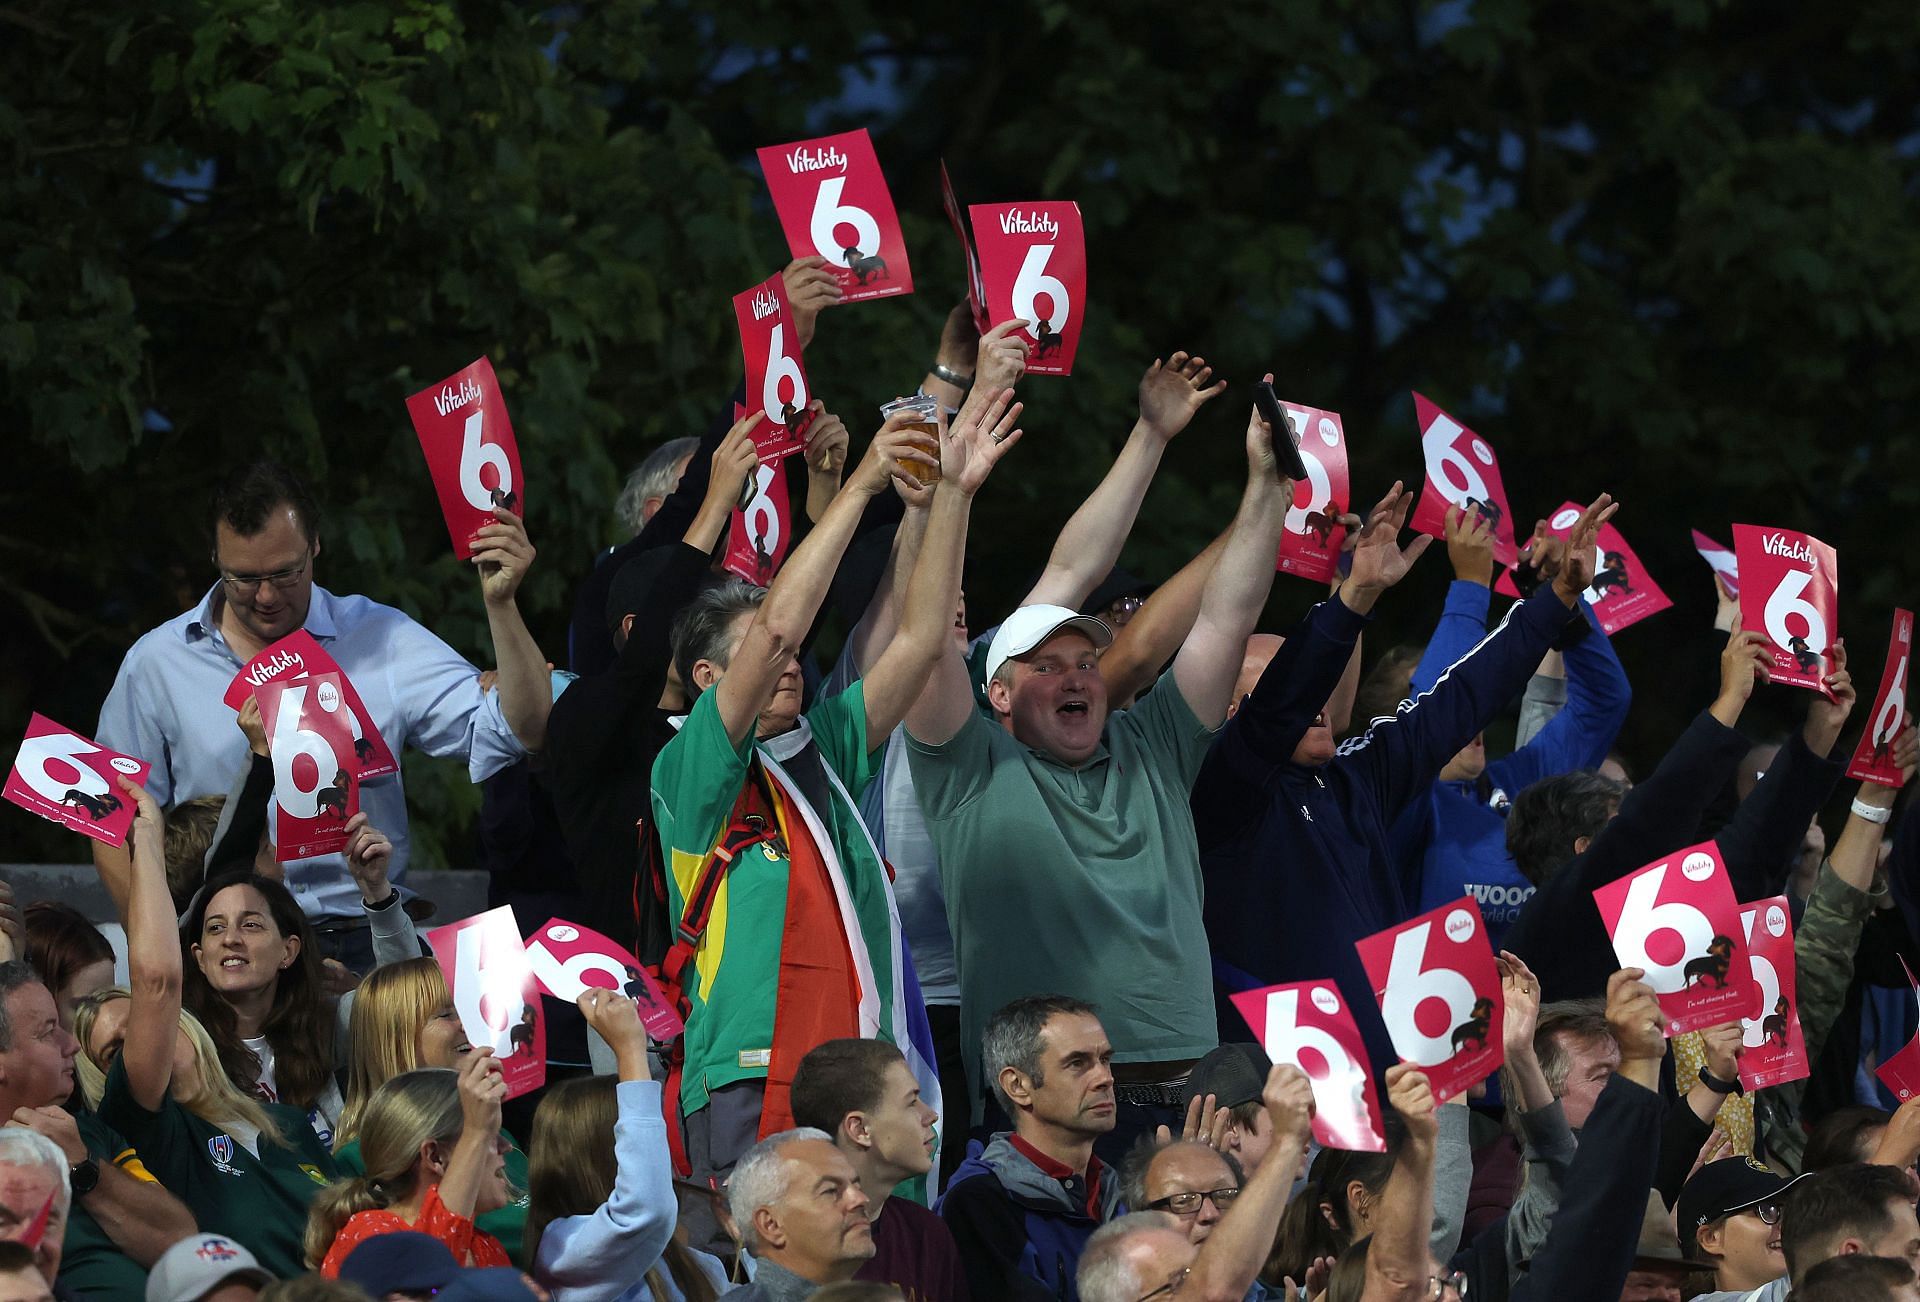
1476, 1027
1321, 525
1715, 963
1804, 654
97, 807
334, 797
1775, 1027
521, 1036
1614, 575
508, 500
863, 267
1045, 340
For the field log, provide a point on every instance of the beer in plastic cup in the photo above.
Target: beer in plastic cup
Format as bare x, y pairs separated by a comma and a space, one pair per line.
928, 424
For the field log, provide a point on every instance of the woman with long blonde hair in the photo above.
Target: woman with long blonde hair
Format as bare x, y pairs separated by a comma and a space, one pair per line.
603, 1210
432, 1149
403, 1020
245, 1168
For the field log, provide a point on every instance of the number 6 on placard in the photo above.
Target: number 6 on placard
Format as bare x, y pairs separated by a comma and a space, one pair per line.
779, 367
1034, 279
1789, 599
829, 214
1645, 913
37, 752
1317, 477
476, 452
291, 740
763, 521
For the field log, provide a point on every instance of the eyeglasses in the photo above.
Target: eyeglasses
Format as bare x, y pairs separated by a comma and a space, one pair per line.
1188, 1203
241, 585
1769, 1212
1171, 1287
1437, 1285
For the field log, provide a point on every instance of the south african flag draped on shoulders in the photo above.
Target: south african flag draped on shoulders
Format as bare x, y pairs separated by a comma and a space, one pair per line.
803, 941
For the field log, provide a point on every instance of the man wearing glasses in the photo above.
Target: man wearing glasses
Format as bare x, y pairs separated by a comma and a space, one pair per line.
1204, 1236
166, 704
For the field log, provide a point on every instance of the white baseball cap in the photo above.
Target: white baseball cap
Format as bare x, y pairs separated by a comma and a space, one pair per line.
200, 1263
1029, 626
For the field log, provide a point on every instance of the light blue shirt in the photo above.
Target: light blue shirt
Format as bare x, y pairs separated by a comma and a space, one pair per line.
166, 708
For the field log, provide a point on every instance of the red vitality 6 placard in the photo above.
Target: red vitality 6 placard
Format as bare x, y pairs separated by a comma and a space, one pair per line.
833, 202
1790, 592
1622, 593
1676, 919
314, 790
1308, 1025
1461, 471
297, 655
69, 780
495, 993
759, 533
1033, 261
1439, 994
770, 343
1873, 757
1776, 1052
1310, 545
475, 463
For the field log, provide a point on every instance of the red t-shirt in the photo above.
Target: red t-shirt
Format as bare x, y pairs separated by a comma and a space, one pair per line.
916, 1254
470, 1247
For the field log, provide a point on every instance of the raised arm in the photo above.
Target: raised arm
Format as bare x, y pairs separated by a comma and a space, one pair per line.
1397, 1260
968, 452
483, 1088
777, 631
1209, 661
1143, 646
1090, 543
1463, 618
1235, 1253
153, 958
503, 555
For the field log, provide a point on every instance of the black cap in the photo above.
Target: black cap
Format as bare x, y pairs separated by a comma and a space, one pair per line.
1732, 1184
1233, 1074
405, 1261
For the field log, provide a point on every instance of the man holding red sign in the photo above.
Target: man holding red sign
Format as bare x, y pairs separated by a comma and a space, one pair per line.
167, 700
1573, 834
790, 933
1294, 837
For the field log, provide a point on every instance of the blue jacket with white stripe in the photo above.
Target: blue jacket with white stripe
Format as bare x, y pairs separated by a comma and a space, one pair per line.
1297, 858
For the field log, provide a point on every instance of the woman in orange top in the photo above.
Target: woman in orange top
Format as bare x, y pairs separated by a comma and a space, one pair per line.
434, 1159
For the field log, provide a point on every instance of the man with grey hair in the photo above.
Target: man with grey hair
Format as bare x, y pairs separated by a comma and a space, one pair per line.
121, 1219
788, 934
1023, 1209
647, 487
34, 1195
1164, 1248
802, 1214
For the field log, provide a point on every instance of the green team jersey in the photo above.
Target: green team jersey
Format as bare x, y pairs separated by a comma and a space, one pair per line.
91, 1264
734, 980
507, 1224
260, 1202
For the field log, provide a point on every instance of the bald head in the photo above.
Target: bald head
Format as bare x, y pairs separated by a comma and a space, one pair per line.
1131, 1256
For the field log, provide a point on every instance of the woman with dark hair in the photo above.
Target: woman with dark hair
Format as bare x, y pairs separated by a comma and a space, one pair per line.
255, 979
68, 952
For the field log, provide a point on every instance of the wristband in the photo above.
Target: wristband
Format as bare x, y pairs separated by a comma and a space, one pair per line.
1872, 813
1719, 1086
393, 898
950, 376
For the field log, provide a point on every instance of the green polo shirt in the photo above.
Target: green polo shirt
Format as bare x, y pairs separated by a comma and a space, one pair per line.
733, 981
507, 1224
1082, 882
261, 1202
91, 1264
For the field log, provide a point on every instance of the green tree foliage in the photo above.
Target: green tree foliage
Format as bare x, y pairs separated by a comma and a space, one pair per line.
1664, 249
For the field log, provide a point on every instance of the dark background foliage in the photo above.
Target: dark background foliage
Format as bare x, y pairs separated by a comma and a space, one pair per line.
1665, 249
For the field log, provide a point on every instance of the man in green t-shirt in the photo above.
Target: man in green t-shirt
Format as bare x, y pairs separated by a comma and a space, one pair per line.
802, 940
121, 1219
1063, 829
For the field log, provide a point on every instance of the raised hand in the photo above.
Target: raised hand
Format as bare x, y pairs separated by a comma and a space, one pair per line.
1522, 990
894, 452
1379, 561
1723, 1048
810, 288
483, 1088
1003, 357
1576, 570
254, 726
1288, 1099
1412, 1097
368, 853
1171, 394
1470, 546
734, 458
1827, 714
982, 433
1726, 606
147, 839
1634, 1017
1206, 1123
1746, 659
827, 444
959, 348
503, 555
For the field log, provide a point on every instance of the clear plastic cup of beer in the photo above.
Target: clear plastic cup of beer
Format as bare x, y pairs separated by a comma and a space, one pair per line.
927, 424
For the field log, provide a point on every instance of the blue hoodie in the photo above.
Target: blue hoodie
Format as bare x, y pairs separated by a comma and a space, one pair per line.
1296, 857
1454, 841
1020, 1230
